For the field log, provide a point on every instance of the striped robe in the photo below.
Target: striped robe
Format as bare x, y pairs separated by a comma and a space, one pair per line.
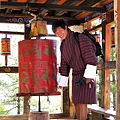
77, 59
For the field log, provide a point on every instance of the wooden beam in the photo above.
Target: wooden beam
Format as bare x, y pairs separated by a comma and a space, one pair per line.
99, 27
90, 2
94, 15
9, 32
8, 69
9, 11
67, 3
38, 94
50, 6
14, 117
108, 65
103, 111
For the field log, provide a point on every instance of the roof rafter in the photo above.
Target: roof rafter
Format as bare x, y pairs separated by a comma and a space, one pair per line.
51, 6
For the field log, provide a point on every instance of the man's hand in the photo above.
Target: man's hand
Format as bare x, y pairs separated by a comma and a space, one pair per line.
62, 88
88, 80
84, 81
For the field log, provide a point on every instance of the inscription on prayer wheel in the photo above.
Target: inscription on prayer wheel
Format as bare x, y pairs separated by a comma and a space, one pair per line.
37, 66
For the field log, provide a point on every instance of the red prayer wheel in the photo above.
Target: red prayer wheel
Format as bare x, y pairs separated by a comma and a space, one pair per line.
37, 66
5, 46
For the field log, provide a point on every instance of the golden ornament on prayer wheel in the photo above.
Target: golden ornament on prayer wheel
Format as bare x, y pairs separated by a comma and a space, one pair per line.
38, 28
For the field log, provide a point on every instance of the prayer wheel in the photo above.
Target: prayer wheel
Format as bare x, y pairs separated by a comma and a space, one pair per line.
5, 46
112, 36
5, 50
97, 37
37, 66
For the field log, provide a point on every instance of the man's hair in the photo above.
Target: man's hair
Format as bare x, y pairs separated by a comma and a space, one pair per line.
59, 23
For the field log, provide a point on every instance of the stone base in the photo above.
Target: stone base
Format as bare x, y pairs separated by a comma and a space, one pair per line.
39, 115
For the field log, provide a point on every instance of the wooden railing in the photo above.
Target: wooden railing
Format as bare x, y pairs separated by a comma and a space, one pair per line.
99, 113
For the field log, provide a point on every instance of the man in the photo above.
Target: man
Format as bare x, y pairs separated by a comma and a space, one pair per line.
82, 59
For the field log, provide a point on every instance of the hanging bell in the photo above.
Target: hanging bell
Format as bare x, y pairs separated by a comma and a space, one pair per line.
42, 27
38, 28
34, 30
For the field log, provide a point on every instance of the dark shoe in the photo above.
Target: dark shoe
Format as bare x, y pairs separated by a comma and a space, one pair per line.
88, 116
81, 82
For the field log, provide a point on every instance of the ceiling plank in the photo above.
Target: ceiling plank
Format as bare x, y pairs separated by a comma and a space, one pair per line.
9, 11
90, 2
50, 10
43, 12
108, 7
67, 3
61, 2
51, 6
41, 1
32, 1
86, 3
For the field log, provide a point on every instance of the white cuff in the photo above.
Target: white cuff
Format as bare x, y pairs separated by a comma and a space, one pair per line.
62, 81
90, 71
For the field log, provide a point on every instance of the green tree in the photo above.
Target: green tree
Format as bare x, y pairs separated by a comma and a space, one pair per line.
9, 88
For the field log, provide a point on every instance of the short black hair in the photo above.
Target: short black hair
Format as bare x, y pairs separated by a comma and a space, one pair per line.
59, 23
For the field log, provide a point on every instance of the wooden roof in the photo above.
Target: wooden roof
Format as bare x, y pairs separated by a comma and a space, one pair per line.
71, 10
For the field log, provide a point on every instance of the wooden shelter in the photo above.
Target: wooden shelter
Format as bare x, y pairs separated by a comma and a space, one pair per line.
75, 12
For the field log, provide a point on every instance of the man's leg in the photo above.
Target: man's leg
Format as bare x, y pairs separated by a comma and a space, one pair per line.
81, 111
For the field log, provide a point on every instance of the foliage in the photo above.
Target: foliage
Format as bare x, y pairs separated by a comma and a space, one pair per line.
9, 88
2, 109
113, 54
113, 82
47, 103
99, 92
96, 22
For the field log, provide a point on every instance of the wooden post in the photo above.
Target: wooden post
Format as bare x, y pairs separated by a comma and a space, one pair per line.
27, 31
103, 63
107, 71
66, 102
72, 107
96, 116
26, 105
117, 36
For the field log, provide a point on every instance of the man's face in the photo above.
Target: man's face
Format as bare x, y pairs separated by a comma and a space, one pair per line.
62, 33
